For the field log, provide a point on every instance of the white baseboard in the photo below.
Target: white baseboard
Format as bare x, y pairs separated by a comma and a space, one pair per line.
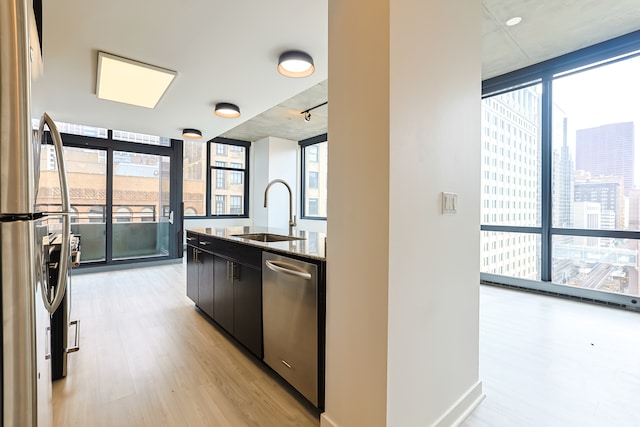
454, 416
325, 421
463, 407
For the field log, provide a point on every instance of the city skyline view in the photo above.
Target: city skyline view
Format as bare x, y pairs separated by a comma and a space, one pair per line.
594, 180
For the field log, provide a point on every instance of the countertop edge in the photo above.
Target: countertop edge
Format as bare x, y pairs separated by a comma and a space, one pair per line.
227, 234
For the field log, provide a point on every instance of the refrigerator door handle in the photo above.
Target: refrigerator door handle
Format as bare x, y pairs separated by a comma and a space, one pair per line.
65, 248
47, 344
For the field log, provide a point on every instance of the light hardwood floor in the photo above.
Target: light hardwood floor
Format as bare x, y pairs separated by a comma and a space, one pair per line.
547, 362
148, 358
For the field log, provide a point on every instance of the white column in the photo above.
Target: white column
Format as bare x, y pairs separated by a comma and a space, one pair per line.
403, 279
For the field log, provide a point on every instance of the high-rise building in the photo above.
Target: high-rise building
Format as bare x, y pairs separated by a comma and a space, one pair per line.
607, 193
511, 151
563, 173
607, 150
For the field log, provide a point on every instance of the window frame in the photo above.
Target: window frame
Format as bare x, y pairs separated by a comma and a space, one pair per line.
544, 74
304, 175
232, 145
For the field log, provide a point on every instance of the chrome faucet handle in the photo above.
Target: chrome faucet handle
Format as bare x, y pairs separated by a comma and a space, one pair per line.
293, 222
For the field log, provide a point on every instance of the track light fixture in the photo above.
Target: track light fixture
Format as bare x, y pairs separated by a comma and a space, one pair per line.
307, 112
295, 63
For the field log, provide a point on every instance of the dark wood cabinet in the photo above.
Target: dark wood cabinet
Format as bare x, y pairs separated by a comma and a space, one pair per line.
247, 307
200, 275
224, 279
237, 305
192, 273
205, 282
223, 293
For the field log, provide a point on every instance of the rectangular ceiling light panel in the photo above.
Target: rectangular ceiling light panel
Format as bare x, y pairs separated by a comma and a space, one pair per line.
131, 82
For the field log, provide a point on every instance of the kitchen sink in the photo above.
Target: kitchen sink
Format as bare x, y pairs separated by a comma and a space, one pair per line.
267, 237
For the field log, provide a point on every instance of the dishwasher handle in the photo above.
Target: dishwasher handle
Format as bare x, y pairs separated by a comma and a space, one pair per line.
283, 267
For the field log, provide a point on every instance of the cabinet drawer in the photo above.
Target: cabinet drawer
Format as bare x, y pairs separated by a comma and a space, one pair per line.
239, 252
200, 241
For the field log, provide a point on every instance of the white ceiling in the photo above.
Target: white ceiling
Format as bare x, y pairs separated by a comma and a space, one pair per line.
226, 51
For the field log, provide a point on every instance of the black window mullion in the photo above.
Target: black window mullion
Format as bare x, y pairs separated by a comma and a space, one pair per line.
108, 214
546, 177
303, 195
209, 185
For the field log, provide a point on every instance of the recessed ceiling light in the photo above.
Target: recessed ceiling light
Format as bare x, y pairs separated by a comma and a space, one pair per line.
295, 63
514, 21
227, 110
131, 82
191, 133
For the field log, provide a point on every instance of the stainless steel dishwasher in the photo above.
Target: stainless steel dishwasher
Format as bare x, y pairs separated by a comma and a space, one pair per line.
290, 321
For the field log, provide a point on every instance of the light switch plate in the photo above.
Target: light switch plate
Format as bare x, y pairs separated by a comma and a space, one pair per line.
449, 203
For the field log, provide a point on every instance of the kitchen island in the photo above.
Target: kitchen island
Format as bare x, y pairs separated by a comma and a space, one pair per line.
266, 288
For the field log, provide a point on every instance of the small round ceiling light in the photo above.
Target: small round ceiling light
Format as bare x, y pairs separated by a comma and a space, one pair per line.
191, 133
295, 63
514, 21
227, 110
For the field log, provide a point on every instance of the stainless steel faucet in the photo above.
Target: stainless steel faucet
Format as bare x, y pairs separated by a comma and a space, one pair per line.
292, 217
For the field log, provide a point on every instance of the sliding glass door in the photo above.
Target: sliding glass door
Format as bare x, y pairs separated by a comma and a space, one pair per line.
141, 209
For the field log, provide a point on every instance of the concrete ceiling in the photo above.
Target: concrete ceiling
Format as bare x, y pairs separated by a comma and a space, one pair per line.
227, 52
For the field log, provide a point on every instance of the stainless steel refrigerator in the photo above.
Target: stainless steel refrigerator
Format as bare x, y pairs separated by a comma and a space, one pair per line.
26, 298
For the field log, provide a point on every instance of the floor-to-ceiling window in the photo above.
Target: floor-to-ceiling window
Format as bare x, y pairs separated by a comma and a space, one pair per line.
124, 192
560, 181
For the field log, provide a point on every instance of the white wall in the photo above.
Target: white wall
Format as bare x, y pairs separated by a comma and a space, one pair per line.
434, 270
358, 214
403, 280
275, 158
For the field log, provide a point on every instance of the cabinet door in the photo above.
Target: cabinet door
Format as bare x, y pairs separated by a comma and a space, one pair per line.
247, 308
205, 282
223, 293
192, 274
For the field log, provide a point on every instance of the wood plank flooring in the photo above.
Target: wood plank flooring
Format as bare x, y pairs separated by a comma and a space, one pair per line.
547, 362
149, 358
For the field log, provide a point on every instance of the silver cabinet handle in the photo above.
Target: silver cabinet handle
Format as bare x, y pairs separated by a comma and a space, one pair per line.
284, 362
189, 239
77, 346
283, 267
204, 243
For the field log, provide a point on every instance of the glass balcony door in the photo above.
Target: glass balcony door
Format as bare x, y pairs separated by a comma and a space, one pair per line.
125, 195
141, 212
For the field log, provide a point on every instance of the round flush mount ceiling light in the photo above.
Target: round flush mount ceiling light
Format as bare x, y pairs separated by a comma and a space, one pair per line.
227, 110
191, 133
514, 21
295, 63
